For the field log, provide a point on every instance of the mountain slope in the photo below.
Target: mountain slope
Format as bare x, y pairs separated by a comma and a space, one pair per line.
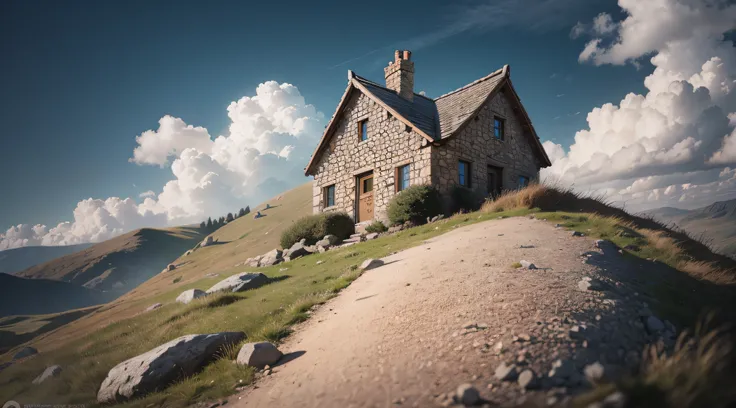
715, 224
18, 259
121, 263
41, 296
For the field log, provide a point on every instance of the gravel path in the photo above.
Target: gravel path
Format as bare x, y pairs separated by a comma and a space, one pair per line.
454, 311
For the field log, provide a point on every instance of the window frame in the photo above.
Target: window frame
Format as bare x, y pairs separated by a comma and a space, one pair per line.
467, 175
361, 124
326, 195
399, 177
502, 128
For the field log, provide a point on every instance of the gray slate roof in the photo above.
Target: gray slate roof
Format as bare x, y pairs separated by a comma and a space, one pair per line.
457, 106
422, 112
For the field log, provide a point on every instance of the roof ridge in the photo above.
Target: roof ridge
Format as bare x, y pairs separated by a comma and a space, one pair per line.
382, 86
503, 70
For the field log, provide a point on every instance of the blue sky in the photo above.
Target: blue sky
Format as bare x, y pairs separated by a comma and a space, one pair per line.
81, 79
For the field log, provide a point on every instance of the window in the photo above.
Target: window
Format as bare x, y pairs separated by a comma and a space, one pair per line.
329, 196
368, 185
523, 181
463, 169
402, 177
363, 129
498, 128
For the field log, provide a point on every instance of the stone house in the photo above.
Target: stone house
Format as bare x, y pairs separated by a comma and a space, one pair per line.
383, 139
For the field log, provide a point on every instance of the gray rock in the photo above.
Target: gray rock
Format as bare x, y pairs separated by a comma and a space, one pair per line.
207, 241
158, 368
654, 325
49, 372
333, 239
467, 395
577, 234
271, 258
303, 241
435, 218
25, 352
577, 333
188, 295
240, 282
395, 229
527, 265
372, 235
259, 355
594, 372
370, 264
297, 250
170, 267
562, 370
527, 379
153, 307
587, 284
506, 372
615, 400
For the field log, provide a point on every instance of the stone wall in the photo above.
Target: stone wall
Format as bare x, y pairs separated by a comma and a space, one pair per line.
389, 145
476, 144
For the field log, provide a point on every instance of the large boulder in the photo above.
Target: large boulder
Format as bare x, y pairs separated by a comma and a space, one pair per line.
164, 365
25, 352
271, 258
240, 282
254, 262
49, 372
171, 267
189, 295
297, 250
259, 355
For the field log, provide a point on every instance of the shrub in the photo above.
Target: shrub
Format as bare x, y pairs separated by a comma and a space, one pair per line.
315, 227
414, 204
464, 199
376, 226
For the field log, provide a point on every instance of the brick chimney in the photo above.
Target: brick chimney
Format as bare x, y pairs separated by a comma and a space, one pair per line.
400, 75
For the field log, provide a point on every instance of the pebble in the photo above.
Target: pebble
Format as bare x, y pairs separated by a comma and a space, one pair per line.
467, 395
527, 379
527, 265
506, 372
594, 372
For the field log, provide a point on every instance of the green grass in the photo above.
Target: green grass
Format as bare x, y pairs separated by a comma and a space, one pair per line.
266, 313
516, 265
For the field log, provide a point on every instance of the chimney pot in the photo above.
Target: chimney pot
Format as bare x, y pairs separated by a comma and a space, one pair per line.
407, 55
397, 55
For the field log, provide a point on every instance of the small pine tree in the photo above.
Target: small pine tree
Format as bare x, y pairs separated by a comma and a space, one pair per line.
209, 223
247, 210
202, 225
221, 221
241, 212
229, 217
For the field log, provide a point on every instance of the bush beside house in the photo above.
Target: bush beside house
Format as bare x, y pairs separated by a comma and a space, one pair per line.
313, 228
415, 204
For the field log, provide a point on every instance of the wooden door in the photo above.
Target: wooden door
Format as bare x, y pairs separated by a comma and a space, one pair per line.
493, 185
365, 198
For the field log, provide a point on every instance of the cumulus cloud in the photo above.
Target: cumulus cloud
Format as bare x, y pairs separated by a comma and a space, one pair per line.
269, 141
681, 132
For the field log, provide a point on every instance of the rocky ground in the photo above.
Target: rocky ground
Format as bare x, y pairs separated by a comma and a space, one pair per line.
456, 322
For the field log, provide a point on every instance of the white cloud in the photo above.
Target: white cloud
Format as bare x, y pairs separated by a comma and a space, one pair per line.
269, 141
578, 30
682, 129
603, 24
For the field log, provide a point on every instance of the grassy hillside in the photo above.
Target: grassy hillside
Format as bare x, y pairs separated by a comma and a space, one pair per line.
685, 280
17, 259
118, 264
714, 224
15, 330
236, 241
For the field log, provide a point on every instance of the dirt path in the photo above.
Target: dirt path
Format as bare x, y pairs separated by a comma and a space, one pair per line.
396, 336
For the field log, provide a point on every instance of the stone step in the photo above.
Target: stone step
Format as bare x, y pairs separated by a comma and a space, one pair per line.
357, 235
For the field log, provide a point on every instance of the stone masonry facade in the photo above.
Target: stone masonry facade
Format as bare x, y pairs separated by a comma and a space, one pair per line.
389, 146
477, 145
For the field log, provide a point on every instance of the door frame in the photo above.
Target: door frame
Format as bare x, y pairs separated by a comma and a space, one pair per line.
499, 179
358, 188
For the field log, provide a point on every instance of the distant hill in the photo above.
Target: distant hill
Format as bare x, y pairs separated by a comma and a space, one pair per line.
714, 224
121, 263
17, 259
42, 296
